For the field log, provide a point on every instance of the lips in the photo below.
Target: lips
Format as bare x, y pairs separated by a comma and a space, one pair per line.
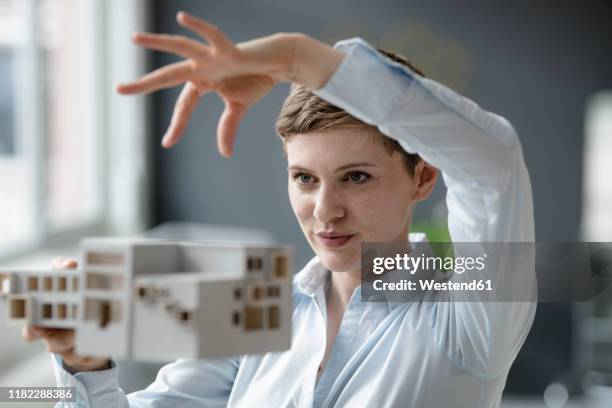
334, 239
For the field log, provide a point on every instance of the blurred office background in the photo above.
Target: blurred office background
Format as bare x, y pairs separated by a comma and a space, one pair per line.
76, 159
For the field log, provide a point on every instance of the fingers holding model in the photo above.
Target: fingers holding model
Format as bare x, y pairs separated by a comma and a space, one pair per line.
241, 74
61, 341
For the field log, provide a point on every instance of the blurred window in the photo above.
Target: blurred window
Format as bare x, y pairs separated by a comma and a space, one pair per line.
597, 188
7, 121
50, 138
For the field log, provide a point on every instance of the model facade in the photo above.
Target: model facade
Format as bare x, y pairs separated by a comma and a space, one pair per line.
161, 300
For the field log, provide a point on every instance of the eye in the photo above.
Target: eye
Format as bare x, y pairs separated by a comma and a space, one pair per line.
302, 178
357, 177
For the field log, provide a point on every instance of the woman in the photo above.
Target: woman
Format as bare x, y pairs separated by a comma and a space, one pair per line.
354, 176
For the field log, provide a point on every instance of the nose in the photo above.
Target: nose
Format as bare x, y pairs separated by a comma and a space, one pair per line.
329, 205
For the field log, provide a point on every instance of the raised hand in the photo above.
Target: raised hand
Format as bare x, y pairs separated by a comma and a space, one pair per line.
241, 74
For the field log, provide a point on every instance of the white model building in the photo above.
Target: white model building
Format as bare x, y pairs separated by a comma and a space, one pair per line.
161, 300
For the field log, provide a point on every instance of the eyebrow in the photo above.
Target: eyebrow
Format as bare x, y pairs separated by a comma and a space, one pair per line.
346, 166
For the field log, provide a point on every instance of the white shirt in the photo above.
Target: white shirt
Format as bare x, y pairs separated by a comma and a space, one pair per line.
412, 354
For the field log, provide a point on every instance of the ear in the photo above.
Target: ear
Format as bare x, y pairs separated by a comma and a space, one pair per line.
425, 177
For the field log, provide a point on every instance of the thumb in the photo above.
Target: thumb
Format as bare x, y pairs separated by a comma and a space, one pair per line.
31, 333
228, 126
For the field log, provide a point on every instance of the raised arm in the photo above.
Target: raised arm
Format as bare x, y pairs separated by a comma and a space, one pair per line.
489, 194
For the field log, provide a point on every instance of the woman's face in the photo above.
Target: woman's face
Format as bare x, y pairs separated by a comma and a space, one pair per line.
345, 190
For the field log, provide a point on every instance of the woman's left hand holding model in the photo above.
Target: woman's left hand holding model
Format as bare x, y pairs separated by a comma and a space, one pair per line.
241, 74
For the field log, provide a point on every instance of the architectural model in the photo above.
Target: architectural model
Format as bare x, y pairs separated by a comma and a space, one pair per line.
161, 300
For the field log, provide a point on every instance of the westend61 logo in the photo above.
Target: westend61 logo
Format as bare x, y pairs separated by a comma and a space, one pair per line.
482, 272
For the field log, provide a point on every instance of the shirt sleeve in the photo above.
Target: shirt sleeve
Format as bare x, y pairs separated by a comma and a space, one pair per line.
489, 195
184, 383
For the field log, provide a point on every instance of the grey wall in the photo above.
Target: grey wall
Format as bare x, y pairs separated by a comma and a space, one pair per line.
535, 63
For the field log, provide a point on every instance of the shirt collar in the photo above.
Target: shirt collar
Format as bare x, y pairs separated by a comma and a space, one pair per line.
311, 277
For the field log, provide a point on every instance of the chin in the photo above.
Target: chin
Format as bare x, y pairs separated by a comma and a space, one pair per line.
340, 262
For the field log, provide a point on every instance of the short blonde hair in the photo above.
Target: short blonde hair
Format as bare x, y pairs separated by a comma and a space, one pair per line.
304, 112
